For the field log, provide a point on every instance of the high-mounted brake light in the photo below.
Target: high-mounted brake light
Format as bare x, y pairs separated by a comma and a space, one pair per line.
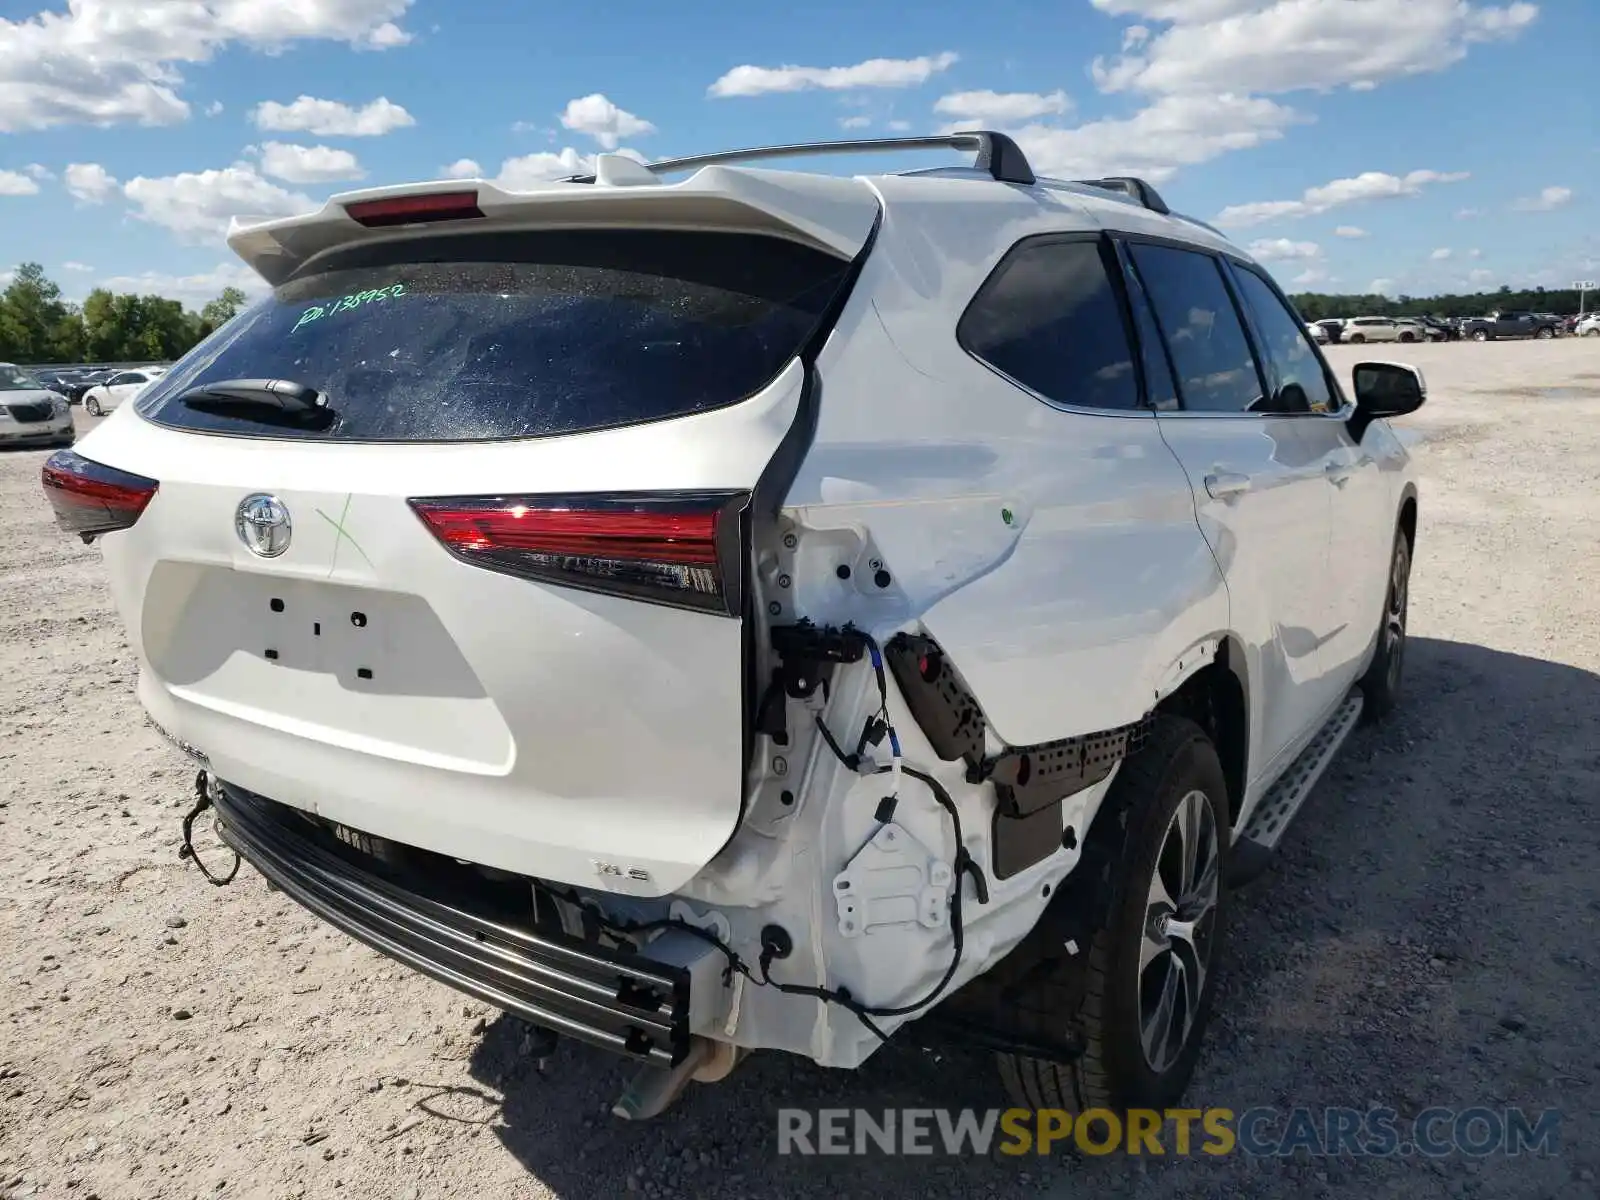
412, 210
91, 498
676, 548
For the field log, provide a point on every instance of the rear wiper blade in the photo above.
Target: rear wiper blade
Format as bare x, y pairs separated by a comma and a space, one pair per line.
274, 395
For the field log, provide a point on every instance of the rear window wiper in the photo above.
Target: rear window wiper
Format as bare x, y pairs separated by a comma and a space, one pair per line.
278, 397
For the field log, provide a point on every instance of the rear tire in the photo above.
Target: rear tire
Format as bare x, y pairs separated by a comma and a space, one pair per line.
1480, 335
1591, 333
1169, 805
1385, 677
1545, 334
1406, 337
1357, 339
92, 406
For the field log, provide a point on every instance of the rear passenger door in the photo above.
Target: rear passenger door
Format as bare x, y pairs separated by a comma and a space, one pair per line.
1255, 466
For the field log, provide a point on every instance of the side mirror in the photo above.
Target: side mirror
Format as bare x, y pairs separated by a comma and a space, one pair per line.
1385, 390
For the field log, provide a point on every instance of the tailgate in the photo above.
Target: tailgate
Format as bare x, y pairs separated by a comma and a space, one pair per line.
494, 605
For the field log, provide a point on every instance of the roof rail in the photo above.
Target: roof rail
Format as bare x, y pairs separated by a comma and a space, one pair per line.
997, 154
1134, 189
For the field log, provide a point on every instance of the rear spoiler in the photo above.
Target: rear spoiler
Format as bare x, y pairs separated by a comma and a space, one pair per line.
832, 214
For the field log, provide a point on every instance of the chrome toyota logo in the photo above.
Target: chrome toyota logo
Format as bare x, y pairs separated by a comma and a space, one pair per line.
263, 525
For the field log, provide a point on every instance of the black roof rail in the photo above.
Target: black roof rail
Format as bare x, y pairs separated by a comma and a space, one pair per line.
1134, 189
997, 154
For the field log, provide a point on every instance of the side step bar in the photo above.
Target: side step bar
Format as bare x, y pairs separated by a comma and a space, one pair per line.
1257, 842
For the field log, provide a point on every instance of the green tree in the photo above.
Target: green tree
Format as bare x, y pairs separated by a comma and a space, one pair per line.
31, 314
223, 309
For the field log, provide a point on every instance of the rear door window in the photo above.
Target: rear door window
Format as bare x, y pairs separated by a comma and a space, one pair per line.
1299, 382
515, 335
1216, 368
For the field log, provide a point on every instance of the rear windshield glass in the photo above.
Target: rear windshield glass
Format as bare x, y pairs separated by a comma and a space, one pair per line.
479, 337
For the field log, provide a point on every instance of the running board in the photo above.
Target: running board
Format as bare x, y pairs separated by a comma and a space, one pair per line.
1253, 849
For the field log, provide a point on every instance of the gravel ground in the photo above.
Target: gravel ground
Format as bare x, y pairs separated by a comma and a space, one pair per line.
1426, 939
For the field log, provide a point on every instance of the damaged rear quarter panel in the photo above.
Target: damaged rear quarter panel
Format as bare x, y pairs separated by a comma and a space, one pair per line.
1052, 553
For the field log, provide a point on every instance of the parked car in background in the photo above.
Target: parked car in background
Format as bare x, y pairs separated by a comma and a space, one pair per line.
1508, 323
1318, 333
30, 413
1410, 329
125, 385
1588, 326
1372, 329
1332, 328
1440, 329
75, 383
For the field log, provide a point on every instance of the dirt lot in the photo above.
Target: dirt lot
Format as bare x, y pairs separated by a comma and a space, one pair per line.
1428, 937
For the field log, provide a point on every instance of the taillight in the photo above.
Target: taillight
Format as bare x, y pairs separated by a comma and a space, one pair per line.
90, 498
677, 548
412, 210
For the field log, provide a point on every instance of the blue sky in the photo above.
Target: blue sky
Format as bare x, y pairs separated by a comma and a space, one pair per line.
1422, 145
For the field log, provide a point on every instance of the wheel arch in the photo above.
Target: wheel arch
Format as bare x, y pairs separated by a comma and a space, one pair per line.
1214, 693
1408, 516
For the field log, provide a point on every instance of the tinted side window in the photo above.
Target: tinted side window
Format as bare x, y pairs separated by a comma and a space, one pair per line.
1216, 369
1049, 318
1299, 381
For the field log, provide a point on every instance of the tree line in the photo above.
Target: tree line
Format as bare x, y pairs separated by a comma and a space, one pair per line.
38, 326
1315, 306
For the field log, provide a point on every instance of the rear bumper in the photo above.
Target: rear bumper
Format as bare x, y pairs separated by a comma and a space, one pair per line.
624, 1002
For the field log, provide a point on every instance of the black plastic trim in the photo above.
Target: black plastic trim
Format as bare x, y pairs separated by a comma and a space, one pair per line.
617, 1001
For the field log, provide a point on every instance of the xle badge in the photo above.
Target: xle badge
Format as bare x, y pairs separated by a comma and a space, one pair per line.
613, 871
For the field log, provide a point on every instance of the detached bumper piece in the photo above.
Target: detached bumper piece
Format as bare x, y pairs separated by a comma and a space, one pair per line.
622, 1002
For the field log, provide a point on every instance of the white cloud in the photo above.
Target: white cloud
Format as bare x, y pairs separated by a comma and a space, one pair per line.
308, 164
603, 120
1547, 200
1466, 214
898, 126
874, 73
192, 290
107, 62
76, 266
1000, 108
854, 122
6, 277
214, 108
90, 182
1294, 45
15, 183
1310, 276
196, 206
1474, 253
39, 172
462, 168
1381, 286
1135, 36
1481, 275
1279, 249
1153, 143
330, 118
1369, 185
1442, 253
530, 171
1349, 231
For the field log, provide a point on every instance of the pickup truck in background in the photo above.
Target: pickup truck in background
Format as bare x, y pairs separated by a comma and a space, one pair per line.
1512, 323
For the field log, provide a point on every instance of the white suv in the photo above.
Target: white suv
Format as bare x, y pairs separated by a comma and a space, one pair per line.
755, 611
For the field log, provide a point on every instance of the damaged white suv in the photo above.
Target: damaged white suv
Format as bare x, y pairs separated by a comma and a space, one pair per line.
767, 610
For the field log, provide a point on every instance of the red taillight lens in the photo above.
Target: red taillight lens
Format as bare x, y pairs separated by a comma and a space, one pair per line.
90, 498
673, 549
410, 210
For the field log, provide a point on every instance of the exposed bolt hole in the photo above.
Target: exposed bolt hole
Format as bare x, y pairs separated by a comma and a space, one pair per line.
276, 605
1045, 891
842, 570
1069, 838
363, 672
272, 654
783, 581
774, 608
358, 619
316, 629
882, 578
787, 798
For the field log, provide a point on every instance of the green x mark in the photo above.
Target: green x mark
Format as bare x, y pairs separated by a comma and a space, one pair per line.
343, 536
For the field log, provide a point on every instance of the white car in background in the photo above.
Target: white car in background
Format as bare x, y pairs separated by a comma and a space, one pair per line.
31, 413
1376, 329
103, 397
1588, 327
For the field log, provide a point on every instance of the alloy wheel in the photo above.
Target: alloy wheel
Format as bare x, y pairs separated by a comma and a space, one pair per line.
1394, 620
1179, 931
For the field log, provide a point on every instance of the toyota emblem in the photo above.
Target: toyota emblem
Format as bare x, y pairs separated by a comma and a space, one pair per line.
263, 525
